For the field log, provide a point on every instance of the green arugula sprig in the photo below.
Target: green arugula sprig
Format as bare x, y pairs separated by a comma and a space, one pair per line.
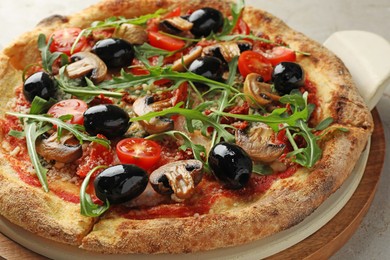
86, 93
87, 207
127, 80
76, 130
228, 24
115, 22
199, 151
48, 58
192, 116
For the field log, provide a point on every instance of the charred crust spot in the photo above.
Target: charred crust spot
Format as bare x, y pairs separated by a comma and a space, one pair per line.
53, 19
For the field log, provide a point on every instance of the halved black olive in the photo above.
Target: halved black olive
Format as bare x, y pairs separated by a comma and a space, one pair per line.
39, 84
116, 53
205, 20
230, 164
207, 66
288, 76
108, 120
120, 183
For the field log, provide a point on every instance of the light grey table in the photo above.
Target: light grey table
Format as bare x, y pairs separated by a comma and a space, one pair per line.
318, 20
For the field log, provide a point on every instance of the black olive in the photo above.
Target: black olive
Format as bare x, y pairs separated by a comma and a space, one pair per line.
207, 66
230, 164
205, 21
120, 183
288, 76
244, 46
116, 53
108, 120
39, 84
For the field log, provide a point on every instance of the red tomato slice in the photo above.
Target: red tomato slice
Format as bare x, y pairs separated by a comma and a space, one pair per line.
253, 62
139, 151
74, 107
279, 54
64, 39
241, 27
175, 12
165, 42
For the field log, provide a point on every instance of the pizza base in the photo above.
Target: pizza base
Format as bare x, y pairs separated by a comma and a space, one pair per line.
285, 204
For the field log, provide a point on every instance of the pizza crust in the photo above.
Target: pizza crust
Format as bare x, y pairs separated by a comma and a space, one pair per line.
287, 203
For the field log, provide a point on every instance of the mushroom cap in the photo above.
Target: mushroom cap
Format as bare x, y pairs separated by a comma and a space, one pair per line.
177, 178
257, 92
86, 63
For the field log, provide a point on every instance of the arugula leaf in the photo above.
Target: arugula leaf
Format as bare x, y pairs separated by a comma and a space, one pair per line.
229, 25
48, 58
262, 169
197, 149
40, 105
128, 80
87, 207
75, 130
31, 134
324, 124
115, 22
86, 93
308, 155
147, 51
192, 115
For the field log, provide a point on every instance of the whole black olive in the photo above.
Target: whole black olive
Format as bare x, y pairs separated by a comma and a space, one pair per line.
230, 164
39, 84
120, 183
109, 120
116, 53
205, 21
207, 66
288, 76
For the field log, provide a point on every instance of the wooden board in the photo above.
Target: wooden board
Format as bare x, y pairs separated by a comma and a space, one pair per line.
322, 244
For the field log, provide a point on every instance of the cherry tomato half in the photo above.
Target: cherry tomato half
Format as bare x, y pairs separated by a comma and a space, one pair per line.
74, 107
279, 54
139, 151
254, 62
64, 39
164, 42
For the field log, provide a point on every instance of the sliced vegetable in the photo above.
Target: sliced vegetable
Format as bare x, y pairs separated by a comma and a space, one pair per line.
74, 107
254, 62
64, 39
165, 42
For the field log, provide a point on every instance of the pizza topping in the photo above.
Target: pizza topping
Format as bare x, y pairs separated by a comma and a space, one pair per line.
145, 105
120, 183
288, 76
165, 42
208, 67
257, 143
175, 25
226, 51
258, 93
116, 53
39, 84
139, 151
87, 64
134, 34
63, 149
186, 60
64, 40
205, 21
254, 62
106, 119
230, 164
66, 107
177, 178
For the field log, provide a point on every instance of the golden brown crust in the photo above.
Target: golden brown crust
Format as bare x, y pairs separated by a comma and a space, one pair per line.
288, 201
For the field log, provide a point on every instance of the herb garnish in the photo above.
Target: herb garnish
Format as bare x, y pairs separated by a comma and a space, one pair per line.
48, 58
88, 208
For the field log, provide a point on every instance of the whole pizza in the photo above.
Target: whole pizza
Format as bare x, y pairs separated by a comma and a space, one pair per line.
161, 126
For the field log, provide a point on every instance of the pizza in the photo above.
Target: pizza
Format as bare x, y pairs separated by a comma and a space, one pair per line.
161, 126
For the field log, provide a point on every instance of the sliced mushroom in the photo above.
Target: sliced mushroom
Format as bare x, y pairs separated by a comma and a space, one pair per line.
65, 149
155, 125
256, 141
177, 178
227, 50
85, 63
258, 92
175, 25
186, 60
132, 33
